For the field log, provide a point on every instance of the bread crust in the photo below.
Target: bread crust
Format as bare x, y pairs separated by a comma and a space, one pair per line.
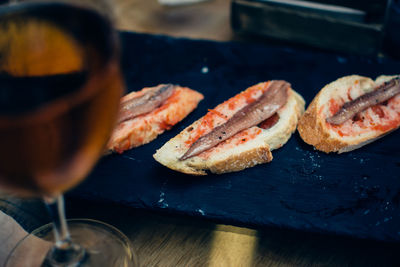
256, 151
313, 128
243, 160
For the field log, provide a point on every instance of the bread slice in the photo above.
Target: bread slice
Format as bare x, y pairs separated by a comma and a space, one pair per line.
365, 128
245, 149
145, 128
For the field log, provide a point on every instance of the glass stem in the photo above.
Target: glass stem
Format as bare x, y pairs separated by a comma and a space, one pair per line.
55, 207
64, 252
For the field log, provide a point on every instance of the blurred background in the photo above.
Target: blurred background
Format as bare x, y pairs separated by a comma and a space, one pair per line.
366, 27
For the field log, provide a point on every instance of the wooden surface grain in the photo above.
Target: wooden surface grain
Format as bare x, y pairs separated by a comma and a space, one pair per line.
204, 20
164, 240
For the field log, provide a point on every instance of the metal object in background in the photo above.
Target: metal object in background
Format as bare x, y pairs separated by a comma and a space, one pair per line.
356, 26
392, 29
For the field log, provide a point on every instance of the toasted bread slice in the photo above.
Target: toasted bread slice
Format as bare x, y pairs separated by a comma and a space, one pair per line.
145, 128
245, 149
364, 128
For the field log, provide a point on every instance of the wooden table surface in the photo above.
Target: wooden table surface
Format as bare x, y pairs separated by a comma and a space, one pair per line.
205, 20
165, 240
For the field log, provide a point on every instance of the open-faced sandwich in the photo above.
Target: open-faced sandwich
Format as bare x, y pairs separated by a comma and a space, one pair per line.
149, 112
237, 134
351, 112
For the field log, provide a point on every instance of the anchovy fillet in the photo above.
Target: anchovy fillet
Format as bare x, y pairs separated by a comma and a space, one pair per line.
252, 114
145, 103
381, 94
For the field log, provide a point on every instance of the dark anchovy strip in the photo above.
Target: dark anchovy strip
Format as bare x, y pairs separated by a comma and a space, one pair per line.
270, 122
252, 114
145, 103
381, 94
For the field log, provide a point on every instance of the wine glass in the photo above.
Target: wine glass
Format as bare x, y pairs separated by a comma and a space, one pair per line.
60, 85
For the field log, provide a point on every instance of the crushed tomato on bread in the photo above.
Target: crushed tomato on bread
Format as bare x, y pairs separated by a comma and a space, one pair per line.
143, 128
244, 149
361, 129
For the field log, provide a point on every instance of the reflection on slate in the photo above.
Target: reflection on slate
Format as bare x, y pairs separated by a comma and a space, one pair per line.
356, 193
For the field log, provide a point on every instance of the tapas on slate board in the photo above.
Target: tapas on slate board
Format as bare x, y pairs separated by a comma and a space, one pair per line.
355, 193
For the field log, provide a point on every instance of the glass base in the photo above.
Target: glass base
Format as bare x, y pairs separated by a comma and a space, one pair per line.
104, 245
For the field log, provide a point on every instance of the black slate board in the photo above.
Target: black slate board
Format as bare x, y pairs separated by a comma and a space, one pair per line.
356, 194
